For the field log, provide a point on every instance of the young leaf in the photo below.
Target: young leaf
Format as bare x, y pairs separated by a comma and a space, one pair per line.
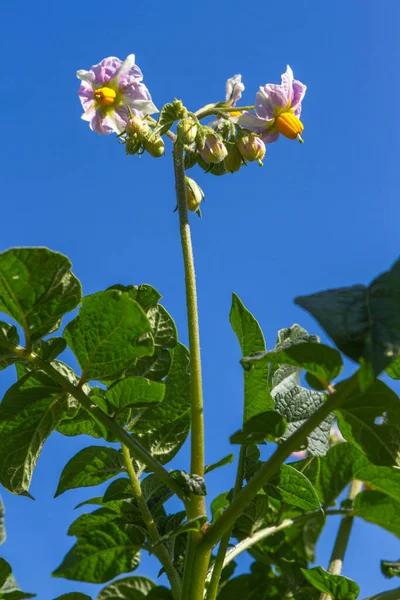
136, 392
29, 412
357, 423
227, 460
257, 398
101, 554
380, 509
364, 322
264, 426
295, 489
321, 361
37, 288
109, 333
336, 586
91, 466
169, 113
134, 588
190, 483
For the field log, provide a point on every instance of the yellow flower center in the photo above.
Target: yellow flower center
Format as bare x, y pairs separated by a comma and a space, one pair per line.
105, 96
289, 125
235, 113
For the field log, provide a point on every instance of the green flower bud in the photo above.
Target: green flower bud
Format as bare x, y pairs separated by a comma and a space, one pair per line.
251, 147
233, 161
132, 146
137, 126
155, 146
187, 130
194, 194
210, 146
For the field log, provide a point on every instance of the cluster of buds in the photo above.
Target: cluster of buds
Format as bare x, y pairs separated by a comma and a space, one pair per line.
140, 137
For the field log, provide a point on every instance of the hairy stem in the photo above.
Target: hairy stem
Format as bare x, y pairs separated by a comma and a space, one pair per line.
343, 537
220, 561
160, 550
225, 522
196, 506
137, 449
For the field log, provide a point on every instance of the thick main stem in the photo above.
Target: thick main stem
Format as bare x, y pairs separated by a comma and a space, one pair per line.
343, 537
196, 506
160, 550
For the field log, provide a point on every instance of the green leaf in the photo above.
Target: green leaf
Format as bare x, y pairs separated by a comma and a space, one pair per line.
293, 401
9, 589
31, 409
101, 554
135, 392
246, 587
321, 361
2, 526
357, 423
134, 588
190, 525
155, 492
393, 370
257, 398
146, 295
169, 113
51, 348
264, 426
5, 571
295, 489
364, 322
91, 466
73, 596
119, 489
160, 593
110, 332
390, 569
344, 463
165, 441
336, 586
190, 483
37, 288
94, 520
9, 338
219, 504
253, 518
227, 460
380, 509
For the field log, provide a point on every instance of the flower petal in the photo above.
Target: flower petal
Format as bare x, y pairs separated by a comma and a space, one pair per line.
105, 70
85, 94
85, 75
128, 73
298, 93
251, 121
234, 89
263, 104
287, 83
268, 138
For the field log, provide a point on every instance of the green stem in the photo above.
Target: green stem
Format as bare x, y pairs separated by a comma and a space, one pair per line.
160, 550
226, 521
196, 506
343, 537
219, 564
212, 109
137, 450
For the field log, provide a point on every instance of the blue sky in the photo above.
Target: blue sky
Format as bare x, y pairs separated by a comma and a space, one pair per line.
320, 215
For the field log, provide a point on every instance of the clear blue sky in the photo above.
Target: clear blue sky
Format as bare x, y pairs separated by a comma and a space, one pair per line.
319, 215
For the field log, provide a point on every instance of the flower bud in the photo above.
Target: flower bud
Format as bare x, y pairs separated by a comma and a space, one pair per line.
155, 146
194, 194
132, 146
233, 161
137, 126
211, 148
187, 130
251, 147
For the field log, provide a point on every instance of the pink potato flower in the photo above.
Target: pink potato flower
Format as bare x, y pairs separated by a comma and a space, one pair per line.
277, 109
108, 89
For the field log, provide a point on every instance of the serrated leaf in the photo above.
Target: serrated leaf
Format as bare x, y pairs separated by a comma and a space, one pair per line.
227, 460
110, 332
380, 509
264, 426
134, 588
73, 596
364, 322
321, 361
136, 392
37, 288
90, 466
336, 586
169, 113
31, 409
257, 398
357, 423
295, 489
101, 554
293, 401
